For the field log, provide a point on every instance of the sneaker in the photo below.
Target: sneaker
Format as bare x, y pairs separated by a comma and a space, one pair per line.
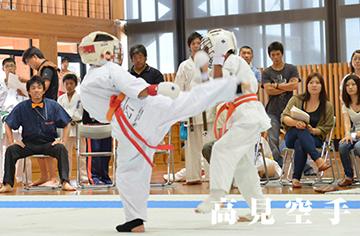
179, 176
97, 181
106, 181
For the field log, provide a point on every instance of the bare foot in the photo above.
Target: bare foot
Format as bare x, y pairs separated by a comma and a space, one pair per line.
250, 218
245, 218
6, 188
67, 187
138, 229
38, 182
50, 183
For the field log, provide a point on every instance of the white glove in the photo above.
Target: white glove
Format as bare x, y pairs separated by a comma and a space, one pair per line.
201, 58
221, 47
168, 89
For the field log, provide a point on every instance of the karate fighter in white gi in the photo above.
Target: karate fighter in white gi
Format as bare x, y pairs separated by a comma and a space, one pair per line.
148, 115
233, 154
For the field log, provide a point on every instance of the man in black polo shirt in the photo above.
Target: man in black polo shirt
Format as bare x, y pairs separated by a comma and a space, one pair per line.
140, 68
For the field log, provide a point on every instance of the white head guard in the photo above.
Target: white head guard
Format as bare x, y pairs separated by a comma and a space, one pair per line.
216, 37
95, 46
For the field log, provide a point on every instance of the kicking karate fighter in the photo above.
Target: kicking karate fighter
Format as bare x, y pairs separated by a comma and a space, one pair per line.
233, 153
141, 121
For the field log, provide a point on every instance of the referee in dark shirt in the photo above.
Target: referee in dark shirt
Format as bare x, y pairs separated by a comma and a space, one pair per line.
141, 69
39, 118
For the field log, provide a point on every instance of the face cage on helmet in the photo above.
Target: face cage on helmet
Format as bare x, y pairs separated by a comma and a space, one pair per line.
207, 46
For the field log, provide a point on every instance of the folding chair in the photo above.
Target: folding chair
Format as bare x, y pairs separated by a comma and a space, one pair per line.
326, 149
170, 164
94, 132
355, 163
36, 188
259, 150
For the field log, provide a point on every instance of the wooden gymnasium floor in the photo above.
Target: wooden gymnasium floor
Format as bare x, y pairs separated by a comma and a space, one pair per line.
176, 188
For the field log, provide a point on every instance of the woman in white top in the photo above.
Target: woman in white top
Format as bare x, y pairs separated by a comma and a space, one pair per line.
351, 114
70, 101
354, 68
200, 126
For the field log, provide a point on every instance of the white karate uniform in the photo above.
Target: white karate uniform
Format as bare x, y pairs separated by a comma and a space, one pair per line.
9, 98
196, 139
152, 117
233, 154
75, 110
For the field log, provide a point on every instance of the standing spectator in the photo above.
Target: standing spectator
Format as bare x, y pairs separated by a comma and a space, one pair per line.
47, 70
279, 81
63, 71
200, 126
247, 54
70, 101
9, 98
140, 68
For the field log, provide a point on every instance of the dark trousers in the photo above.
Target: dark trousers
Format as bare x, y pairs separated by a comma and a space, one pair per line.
344, 150
304, 144
99, 165
16, 152
274, 137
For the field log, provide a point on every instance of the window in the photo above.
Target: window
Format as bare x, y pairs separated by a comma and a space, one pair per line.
245, 6
351, 2
217, 7
352, 32
132, 9
166, 56
14, 43
272, 5
149, 10
304, 43
196, 8
295, 4
67, 47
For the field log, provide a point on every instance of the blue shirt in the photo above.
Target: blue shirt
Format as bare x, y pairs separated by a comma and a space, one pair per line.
256, 73
38, 124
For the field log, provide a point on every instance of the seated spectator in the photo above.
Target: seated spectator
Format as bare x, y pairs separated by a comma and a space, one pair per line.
273, 168
303, 137
70, 101
39, 117
350, 109
140, 68
354, 65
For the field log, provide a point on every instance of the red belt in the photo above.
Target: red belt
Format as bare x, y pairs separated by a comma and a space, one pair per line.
115, 108
230, 107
